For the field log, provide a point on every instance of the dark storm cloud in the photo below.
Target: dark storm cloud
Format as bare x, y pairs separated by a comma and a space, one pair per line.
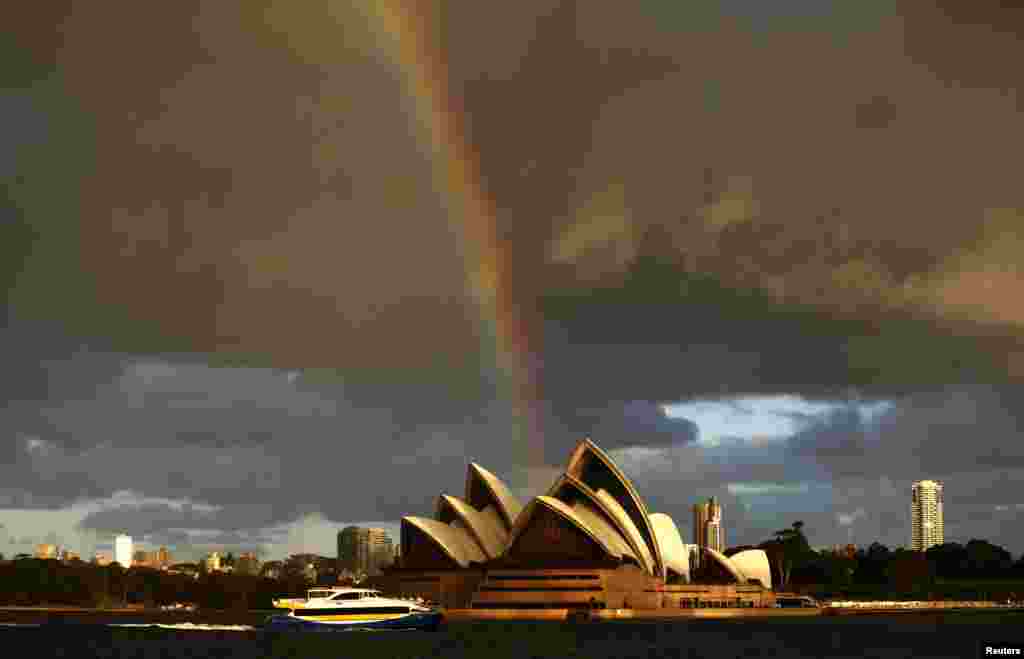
44, 361
624, 424
789, 199
841, 440
182, 525
961, 430
664, 335
234, 436
249, 183
183, 195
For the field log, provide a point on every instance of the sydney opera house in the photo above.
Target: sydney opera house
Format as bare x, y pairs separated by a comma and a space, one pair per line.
589, 542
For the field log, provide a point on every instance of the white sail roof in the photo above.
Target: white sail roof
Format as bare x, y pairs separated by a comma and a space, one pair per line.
630, 531
603, 535
580, 464
600, 525
455, 541
606, 503
499, 494
674, 553
753, 563
485, 526
727, 564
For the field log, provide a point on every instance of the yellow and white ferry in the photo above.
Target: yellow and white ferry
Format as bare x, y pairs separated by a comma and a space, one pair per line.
352, 608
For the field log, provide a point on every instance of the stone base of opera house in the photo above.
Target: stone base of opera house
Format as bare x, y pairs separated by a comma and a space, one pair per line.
622, 588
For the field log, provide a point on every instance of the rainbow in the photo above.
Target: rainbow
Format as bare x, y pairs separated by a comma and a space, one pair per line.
409, 28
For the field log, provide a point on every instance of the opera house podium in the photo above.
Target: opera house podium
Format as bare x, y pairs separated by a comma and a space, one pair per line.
590, 542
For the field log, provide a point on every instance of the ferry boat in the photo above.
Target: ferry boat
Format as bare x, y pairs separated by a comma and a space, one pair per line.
337, 608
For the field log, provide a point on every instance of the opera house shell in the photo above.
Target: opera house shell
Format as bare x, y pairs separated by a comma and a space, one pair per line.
589, 541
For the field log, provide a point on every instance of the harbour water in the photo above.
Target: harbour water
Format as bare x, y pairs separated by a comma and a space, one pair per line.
934, 635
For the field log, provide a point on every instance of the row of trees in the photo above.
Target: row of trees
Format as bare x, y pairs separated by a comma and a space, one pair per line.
34, 582
795, 564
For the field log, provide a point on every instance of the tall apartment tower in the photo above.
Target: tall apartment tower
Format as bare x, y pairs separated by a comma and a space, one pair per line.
707, 525
352, 545
123, 550
926, 515
378, 550
363, 550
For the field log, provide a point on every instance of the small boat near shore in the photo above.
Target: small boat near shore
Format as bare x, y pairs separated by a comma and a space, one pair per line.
337, 609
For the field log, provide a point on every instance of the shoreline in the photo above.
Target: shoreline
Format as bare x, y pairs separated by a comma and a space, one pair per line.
72, 617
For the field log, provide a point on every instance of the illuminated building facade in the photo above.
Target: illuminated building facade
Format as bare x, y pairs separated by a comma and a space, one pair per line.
589, 542
364, 550
707, 525
123, 551
926, 515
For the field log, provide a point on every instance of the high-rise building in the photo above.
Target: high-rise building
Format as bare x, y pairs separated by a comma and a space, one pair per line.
926, 515
213, 562
381, 550
46, 551
707, 525
163, 557
123, 550
349, 543
363, 550
383, 554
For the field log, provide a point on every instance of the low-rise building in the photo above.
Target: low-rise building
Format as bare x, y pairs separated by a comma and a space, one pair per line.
272, 569
213, 562
247, 564
68, 555
187, 569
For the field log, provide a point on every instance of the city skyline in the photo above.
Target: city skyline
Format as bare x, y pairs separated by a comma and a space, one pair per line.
243, 312
930, 508
925, 509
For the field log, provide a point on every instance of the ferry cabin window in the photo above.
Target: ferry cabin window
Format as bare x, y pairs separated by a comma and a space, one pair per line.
347, 596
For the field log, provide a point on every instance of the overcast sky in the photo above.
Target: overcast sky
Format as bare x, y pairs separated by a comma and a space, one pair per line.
769, 252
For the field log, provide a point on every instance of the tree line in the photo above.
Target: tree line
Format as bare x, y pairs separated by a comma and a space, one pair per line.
946, 570
37, 582
977, 569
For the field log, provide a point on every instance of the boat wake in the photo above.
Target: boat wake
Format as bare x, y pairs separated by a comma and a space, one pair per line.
191, 627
